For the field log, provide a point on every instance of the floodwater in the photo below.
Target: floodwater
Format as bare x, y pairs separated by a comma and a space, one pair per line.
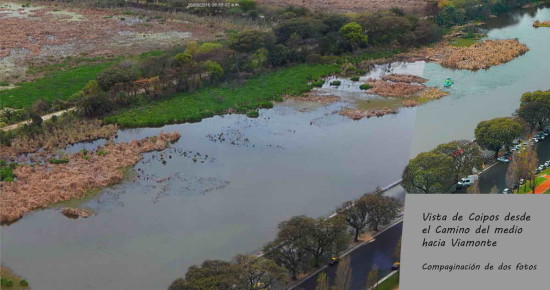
226, 184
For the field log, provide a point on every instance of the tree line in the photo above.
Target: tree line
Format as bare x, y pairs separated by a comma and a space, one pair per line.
438, 170
302, 243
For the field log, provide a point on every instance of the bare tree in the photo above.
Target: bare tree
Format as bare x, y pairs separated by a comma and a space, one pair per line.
322, 282
523, 166
372, 279
343, 275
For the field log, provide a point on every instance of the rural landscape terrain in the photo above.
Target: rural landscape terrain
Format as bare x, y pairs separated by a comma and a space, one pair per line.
242, 144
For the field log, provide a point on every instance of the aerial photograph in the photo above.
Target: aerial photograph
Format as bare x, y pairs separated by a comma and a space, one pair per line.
255, 144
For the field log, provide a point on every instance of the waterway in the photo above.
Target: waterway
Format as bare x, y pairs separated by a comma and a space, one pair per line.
230, 180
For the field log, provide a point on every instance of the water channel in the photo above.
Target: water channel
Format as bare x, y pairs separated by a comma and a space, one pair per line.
230, 180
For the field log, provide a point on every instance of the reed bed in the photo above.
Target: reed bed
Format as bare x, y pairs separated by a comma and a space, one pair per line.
75, 213
393, 89
481, 55
41, 185
432, 94
404, 78
358, 114
58, 135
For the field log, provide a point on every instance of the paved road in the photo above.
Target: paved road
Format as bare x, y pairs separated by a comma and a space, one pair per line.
495, 177
380, 252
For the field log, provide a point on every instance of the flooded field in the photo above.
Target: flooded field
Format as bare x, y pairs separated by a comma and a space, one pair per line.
229, 180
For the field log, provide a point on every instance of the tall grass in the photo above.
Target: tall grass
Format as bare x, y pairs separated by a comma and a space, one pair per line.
55, 85
256, 93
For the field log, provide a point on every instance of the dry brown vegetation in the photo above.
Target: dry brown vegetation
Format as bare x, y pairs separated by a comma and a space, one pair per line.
75, 213
391, 89
313, 97
432, 94
481, 55
404, 78
44, 33
58, 135
40, 185
538, 24
414, 6
357, 114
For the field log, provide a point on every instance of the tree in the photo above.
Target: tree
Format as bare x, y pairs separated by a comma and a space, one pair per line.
397, 251
252, 40
466, 156
319, 238
243, 273
522, 166
111, 76
380, 209
211, 274
322, 282
286, 252
429, 172
497, 133
372, 279
353, 32
342, 280
535, 109
355, 214
214, 69
259, 272
93, 101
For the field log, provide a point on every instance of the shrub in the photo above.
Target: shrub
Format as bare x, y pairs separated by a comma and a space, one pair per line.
253, 114
4, 84
354, 78
318, 83
102, 153
6, 282
335, 83
6, 172
58, 161
24, 283
365, 86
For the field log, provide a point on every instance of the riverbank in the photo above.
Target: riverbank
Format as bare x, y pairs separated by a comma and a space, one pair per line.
11, 280
71, 176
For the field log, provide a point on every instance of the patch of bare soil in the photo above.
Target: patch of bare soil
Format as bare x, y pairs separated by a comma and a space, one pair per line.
358, 114
481, 55
316, 98
40, 185
404, 78
538, 24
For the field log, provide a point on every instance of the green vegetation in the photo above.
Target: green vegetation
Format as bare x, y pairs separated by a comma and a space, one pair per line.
365, 86
9, 280
58, 160
335, 83
6, 171
318, 83
354, 78
540, 178
463, 42
56, 85
206, 102
253, 114
389, 284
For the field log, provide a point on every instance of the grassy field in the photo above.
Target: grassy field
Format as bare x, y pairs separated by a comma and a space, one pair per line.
540, 179
60, 84
463, 42
257, 93
390, 284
